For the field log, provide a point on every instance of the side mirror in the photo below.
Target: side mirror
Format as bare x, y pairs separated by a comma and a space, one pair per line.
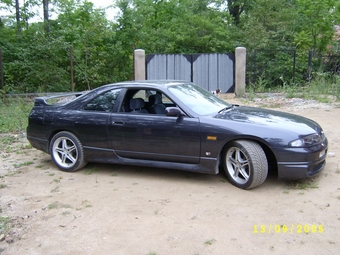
173, 111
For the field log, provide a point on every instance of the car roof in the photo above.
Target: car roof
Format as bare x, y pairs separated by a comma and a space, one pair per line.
161, 83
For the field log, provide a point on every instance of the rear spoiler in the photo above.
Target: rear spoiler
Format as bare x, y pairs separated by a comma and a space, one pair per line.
59, 99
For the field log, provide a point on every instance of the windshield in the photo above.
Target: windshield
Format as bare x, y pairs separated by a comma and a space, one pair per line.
198, 99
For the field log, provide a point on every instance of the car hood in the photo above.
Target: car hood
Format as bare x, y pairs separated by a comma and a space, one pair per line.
270, 118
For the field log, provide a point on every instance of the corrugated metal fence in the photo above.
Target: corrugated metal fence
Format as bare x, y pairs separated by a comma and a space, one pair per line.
210, 71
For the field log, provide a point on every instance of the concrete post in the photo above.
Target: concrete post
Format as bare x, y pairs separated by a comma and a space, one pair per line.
240, 71
139, 64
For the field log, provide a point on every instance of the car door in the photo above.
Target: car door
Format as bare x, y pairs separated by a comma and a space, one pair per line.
155, 137
91, 121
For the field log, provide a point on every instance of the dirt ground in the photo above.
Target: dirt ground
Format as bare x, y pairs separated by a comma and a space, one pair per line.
113, 209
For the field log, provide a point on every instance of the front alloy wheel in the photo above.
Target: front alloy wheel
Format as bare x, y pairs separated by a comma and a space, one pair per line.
67, 152
245, 164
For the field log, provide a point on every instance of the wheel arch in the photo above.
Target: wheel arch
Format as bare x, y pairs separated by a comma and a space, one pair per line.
271, 158
56, 132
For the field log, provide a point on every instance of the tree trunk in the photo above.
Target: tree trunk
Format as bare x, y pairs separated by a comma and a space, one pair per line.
46, 19
17, 13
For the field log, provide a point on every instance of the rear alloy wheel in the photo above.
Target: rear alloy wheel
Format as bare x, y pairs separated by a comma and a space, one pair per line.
67, 152
245, 164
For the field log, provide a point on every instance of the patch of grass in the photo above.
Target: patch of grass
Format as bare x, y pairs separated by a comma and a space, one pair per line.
27, 163
10, 149
305, 184
8, 139
52, 206
56, 189
12, 173
90, 171
321, 89
57, 205
65, 206
2, 186
337, 169
86, 203
260, 85
26, 146
324, 88
210, 242
18, 107
5, 225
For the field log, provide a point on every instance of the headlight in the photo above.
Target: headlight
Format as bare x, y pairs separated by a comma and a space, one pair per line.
306, 141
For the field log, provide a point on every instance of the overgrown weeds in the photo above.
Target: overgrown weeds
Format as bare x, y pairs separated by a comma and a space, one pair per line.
323, 88
14, 114
5, 225
303, 185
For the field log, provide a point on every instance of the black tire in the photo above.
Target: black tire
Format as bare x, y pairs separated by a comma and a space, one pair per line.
67, 152
245, 164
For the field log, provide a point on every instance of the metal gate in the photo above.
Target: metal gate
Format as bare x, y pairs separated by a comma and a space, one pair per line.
273, 66
210, 71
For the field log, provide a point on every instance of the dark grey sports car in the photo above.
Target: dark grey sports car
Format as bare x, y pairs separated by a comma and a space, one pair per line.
176, 125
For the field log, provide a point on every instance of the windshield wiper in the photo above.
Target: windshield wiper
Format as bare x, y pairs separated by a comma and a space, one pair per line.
226, 108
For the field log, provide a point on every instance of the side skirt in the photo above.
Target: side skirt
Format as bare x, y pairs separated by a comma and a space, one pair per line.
206, 165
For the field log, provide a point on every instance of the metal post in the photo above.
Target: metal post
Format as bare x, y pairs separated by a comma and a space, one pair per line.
294, 64
1, 72
310, 58
254, 76
71, 65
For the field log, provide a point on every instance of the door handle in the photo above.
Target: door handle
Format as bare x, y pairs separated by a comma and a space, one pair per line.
117, 122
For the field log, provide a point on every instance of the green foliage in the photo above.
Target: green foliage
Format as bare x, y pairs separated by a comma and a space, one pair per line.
304, 185
316, 22
34, 62
173, 26
102, 49
14, 115
324, 87
269, 24
5, 225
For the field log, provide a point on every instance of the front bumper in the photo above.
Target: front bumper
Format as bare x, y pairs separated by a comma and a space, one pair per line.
311, 163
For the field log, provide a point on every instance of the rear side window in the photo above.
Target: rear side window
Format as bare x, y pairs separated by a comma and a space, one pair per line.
103, 102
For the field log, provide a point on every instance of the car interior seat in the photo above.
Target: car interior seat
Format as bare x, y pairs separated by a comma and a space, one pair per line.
157, 107
137, 105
